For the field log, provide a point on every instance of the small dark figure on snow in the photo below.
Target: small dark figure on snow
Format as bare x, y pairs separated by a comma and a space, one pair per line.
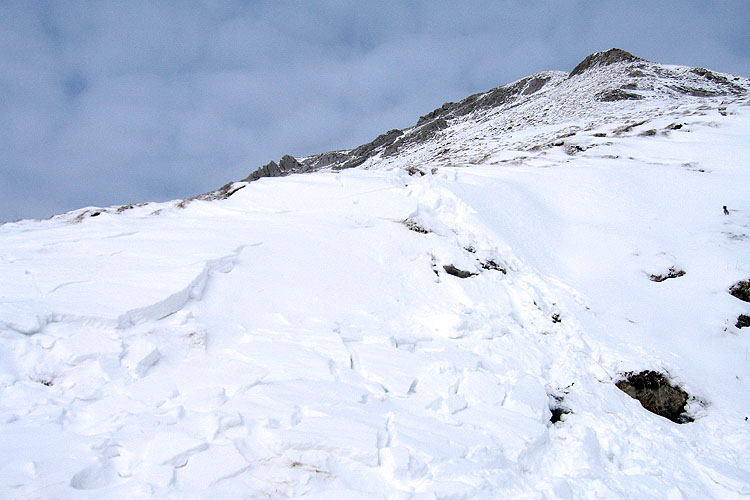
726, 211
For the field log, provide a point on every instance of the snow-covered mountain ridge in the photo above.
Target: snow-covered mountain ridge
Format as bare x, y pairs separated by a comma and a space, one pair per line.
499, 118
311, 337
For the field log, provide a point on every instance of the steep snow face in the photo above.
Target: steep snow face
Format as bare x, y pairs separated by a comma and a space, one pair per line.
310, 336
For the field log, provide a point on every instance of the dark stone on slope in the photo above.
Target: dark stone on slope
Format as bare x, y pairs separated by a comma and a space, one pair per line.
534, 85
691, 91
557, 407
617, 95
743, 321
491, 265
222, 193
421, 134
459, 273
557, 414
672, 272
656, 394
413, 225
741, 290
606, 58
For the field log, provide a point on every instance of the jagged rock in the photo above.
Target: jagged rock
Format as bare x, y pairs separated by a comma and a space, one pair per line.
743, 321
605, 58
289, 163
270, 169
324, 160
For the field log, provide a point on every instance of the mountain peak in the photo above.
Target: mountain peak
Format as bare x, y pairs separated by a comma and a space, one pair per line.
549, 97
605, 58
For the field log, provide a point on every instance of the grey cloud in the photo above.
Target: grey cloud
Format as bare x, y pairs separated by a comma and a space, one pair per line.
116, 102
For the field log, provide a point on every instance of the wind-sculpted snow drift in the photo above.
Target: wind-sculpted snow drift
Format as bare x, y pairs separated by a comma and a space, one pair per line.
450, 319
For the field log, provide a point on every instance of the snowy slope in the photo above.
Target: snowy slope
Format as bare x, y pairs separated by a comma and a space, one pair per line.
302, 338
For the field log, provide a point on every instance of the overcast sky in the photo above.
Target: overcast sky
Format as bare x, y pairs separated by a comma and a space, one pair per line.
116, 102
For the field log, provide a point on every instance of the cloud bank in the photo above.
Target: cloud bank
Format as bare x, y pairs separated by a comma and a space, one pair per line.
118, 102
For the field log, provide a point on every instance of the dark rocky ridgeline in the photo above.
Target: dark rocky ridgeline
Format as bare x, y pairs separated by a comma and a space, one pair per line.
720, 80
638, 75
486, 100
395, 141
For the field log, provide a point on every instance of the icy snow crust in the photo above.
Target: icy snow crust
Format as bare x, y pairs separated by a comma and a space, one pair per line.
298, 340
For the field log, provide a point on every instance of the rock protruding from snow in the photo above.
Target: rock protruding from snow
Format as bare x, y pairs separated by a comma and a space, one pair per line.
741, 290
657, 394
